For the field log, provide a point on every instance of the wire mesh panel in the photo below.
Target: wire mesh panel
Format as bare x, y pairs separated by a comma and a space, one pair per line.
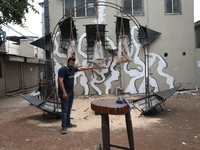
46, 79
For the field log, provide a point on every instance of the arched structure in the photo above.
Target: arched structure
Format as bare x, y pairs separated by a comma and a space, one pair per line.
65, 31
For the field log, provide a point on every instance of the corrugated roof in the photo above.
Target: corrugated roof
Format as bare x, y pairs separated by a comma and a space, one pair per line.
15, 30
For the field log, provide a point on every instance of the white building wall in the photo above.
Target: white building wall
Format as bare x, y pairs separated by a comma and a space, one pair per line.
176, 40
12, 48
28, 50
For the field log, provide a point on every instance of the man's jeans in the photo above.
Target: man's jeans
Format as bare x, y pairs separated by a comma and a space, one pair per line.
66, 106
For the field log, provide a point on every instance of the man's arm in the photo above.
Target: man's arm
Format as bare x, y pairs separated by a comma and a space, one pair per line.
62, 87
85, 68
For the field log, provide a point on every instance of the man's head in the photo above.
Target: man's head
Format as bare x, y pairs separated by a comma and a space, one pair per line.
71, 62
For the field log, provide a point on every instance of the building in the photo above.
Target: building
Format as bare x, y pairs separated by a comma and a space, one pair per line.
168, 60
19, 61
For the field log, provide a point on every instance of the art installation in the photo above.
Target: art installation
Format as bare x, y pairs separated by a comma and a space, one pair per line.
72, 52
123, 50
104, 73
98, 60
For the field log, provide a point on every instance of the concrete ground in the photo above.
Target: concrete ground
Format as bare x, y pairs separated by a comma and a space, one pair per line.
13, 101
23, 127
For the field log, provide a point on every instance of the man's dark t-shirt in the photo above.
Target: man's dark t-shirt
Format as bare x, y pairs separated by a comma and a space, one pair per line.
68, 75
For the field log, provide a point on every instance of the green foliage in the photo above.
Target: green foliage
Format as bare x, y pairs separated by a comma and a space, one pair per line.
13, 11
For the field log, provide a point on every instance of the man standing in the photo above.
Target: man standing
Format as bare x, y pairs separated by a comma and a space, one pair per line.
66, 91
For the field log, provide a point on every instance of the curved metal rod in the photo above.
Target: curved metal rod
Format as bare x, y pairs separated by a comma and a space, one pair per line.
96, 3
99, 3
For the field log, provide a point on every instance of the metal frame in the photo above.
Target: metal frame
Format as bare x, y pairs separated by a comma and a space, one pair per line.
55, 108
125, 14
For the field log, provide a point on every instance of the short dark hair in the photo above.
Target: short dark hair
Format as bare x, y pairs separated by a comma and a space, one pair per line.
71, 58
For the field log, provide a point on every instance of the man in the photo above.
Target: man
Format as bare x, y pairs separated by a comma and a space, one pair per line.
66, 92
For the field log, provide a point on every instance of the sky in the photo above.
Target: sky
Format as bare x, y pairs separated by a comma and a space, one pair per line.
34, 21
196, 10
35, 26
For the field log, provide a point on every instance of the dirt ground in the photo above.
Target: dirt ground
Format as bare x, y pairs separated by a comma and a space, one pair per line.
177, 127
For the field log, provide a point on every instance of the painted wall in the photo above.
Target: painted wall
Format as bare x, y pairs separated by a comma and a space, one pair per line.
177, 40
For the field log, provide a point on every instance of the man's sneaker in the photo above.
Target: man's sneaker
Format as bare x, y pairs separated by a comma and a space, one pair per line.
63, 131
72, 125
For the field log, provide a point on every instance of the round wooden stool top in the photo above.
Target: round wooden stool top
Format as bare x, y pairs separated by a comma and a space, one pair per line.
109, 106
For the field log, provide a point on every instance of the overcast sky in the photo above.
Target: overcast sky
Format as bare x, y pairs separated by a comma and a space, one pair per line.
34, 20
35, 26
196, 10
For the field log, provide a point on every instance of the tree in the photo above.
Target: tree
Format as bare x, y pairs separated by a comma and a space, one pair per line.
13, 11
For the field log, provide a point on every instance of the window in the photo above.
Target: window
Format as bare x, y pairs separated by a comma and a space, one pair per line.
82, 8
92, 35
123, 27
134, 7
68, 32
173, 6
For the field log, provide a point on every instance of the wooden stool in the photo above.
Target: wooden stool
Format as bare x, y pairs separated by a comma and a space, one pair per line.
109, 106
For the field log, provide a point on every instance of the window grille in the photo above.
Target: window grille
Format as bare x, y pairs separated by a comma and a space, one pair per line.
123, 27
68, 31
92, 35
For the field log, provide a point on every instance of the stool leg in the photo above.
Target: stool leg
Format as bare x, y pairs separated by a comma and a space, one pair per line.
129, 129
105, 131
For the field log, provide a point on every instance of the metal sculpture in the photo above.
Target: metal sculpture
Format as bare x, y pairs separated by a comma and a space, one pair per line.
123, 40
68, 38
154, 100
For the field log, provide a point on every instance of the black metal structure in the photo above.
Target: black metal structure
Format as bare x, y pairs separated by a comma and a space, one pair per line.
155, 100
47, 101
68, 32
146, 35
43, 42
123, 27
46, 74
51, 107
94, 32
